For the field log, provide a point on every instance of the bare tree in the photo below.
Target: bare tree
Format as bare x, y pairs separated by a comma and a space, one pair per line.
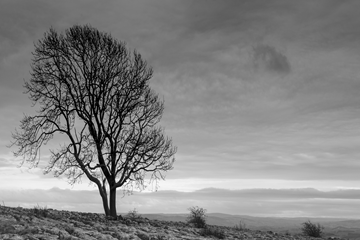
90, 88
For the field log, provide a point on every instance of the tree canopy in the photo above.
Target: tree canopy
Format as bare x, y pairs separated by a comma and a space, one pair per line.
94, 91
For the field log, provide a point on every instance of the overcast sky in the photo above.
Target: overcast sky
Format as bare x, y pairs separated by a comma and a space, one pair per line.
261, 99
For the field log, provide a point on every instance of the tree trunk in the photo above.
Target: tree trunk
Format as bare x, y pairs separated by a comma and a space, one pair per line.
113, 203
104, 198
105, 205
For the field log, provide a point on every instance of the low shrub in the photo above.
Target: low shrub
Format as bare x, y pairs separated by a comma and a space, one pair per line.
312, 230
41, 211
197, 217
133, 215
213, 231
241, 226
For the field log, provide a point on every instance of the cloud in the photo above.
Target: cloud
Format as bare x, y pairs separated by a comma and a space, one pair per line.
295, 118
282, 194
26, 19
305, 149
268, 58
323, 25
5, 163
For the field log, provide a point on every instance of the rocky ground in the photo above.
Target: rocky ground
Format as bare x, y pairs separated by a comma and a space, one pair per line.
47, 224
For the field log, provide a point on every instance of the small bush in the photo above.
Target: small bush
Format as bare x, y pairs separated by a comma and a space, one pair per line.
41, 211
197, 217
133, 215
213, 231
311, 229
241, 226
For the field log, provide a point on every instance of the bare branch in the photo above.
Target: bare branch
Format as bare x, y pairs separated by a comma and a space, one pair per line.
93, 90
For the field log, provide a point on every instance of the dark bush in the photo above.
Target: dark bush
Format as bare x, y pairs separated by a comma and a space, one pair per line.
41, 211
197, 217
311, 229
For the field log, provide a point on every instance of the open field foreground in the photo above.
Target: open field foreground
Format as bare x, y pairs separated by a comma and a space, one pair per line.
41, 223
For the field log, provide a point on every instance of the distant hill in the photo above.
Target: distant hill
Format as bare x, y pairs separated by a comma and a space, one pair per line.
346, 228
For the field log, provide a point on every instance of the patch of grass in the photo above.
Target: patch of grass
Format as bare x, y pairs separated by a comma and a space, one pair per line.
70, 230
41, 211
312, 230
159, 237
6, 228
62, 237
3, 208
213, 231
197, 217
143, 236
30, 230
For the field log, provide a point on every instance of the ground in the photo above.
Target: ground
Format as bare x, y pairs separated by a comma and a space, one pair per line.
49, 224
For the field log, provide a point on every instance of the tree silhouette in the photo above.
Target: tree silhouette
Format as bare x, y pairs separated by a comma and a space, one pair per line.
90, 88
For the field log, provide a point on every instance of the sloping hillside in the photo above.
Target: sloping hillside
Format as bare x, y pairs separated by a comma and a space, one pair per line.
345, 228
